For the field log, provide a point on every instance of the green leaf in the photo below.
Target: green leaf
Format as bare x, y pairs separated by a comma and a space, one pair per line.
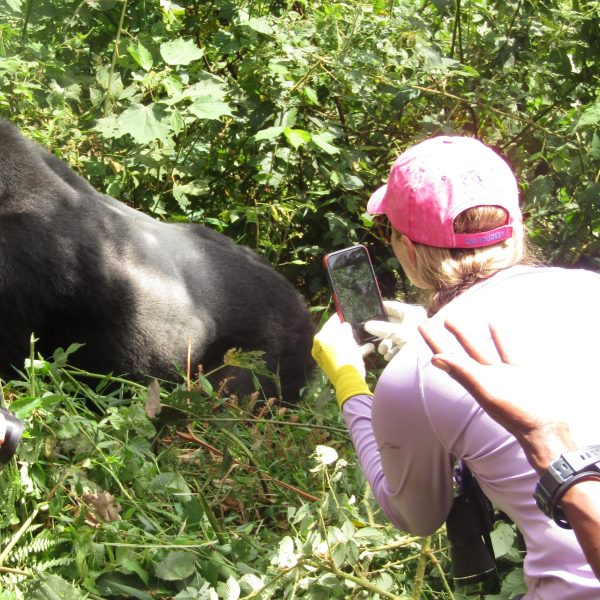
208, 108
181, 193
171, 483
503, 537
104, 78
296, 137
311, 95
350, 182
286, 556
595, 146
206, 385
122, 586
230, 590
141, 55
128, 566
38, 365
590, 116
442, 5
61, 356
513, 583
322, 141
145, 123
385, 582
269, 133
368, 533
53, 587
260, 25
288, 119
15, 5
180, 52
192, 593
25, 405
176, 566
207, 85
109, 127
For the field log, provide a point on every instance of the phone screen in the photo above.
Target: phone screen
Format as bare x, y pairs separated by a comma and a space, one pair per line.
355, 290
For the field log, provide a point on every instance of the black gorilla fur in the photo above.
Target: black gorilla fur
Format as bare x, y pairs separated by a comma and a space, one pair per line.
80, 266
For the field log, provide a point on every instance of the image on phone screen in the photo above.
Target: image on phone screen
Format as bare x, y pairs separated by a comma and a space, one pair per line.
354, 286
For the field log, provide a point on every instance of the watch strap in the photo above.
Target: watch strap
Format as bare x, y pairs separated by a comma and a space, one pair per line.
569, 468
557, 512
582, 458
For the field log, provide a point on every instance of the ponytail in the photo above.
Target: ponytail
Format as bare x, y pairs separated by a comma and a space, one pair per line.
448, 272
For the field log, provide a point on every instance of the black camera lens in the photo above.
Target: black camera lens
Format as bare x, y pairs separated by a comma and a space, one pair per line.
12, 437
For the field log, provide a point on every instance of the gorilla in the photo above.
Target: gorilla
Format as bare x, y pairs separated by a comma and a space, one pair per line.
79, 266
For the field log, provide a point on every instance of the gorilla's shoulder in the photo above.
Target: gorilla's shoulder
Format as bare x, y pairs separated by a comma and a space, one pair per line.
208, 239
8, 129
15, 146
22, 160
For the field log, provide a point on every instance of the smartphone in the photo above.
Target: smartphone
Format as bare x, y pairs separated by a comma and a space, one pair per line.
355, 289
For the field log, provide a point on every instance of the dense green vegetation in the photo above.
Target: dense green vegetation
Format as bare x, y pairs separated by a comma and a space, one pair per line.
270, 121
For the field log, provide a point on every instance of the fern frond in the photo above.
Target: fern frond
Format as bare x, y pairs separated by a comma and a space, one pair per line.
45, 565
10, 492
24, 553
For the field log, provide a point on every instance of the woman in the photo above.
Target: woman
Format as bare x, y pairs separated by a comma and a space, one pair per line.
457, 232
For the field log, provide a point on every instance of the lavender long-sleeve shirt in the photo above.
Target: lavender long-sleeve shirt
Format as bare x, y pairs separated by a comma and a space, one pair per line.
419, 418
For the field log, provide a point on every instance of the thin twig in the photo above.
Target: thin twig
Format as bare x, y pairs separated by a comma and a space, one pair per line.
26, 19
15, 572
434, 559
502, 113
190, 437
457, 34
420, 574
255, 420
162, 546
189, 364
19, 534
363, 583
396, 545
114, 60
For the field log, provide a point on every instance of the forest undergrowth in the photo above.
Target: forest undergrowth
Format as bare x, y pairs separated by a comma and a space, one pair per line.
127, 490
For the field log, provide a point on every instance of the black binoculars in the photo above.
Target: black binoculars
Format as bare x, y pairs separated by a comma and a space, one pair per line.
468, 527
12, 436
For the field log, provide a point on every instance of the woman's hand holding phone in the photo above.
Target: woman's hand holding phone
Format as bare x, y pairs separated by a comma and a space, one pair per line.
355, 289
341, 359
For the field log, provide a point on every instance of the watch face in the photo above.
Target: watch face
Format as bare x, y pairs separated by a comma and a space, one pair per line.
565, 470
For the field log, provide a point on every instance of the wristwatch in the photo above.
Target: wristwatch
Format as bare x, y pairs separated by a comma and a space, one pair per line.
564, 472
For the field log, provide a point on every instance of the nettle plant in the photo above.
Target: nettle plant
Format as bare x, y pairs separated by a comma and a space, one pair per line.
211, 500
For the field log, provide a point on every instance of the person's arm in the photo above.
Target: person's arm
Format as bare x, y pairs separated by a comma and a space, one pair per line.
516, 397
407, 467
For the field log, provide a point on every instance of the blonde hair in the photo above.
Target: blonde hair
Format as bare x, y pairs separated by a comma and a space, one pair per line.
448, 272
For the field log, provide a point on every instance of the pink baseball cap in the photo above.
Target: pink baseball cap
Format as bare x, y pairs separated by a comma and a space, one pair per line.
434, 181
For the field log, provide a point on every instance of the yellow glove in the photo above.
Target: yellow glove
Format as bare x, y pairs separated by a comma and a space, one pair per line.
340, 357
